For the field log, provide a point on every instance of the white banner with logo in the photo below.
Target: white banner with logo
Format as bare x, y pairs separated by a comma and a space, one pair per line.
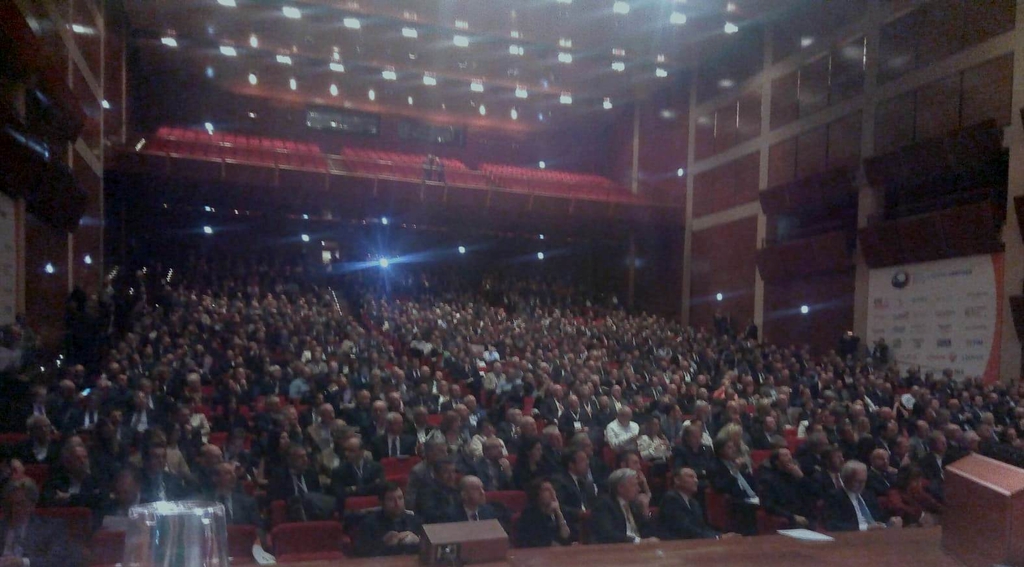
8, 261
940, 315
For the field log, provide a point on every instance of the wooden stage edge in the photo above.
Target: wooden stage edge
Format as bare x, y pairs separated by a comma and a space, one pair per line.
900, 547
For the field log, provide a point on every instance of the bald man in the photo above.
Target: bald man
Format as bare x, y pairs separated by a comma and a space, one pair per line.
472, 505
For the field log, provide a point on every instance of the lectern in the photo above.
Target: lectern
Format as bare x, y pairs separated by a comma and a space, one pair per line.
983, 524
458, 543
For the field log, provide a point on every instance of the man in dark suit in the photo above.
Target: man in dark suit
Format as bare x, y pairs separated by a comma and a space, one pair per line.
553, 406
30, 540
785, 491
357, 475
493, 469
620, 517
932, 462
298, 479
240, 509
392, 530
472, 505
881, 477
159, 484
72, 484
853, 508
729, 479
440, 495
576, 493
394, 443
39, 448
681, 515
693, 453
573, 420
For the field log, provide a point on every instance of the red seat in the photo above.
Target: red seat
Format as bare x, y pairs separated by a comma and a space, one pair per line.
434, 419
240, 540
278, 512
395, 467
759, 456
308, 541
768, 524
106, 548
717, 507
38, 473
77, 520
357, 503
219, 438
12, 438
514, 500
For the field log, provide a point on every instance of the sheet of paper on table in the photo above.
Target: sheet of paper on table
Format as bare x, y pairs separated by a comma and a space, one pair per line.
806, 535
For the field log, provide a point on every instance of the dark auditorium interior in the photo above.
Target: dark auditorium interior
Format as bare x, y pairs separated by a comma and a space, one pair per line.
534, 282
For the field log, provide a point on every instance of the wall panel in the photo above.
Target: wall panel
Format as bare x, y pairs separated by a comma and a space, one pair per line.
829, 298
723, 262
987, 90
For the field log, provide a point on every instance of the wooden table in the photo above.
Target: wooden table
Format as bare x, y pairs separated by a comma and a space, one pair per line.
895, 548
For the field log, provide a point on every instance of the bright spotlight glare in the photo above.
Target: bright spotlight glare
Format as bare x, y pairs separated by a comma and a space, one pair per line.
291, 12
87, 259
383, 262
384, 221
540, 255
49, 268
208, 229
804, 309
731, 27
462, 249
305, 238
718, 296
621, 7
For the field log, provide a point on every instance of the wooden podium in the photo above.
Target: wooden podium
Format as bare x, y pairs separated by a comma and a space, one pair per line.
984, 520
458, 543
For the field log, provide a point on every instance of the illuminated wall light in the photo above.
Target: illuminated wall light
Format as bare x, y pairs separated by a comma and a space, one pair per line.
483, 110
337, 67
514, 34
429, 80
660, 73
87, 259
514, 114
540, 236
564, 57
620, 7
335, 56
228, 3
462, 249
618, 66
521, 92
540, 116
352, 23
292, 84
371, 95
83, 30
731, 27
383, 262
565, 98
410, 101
805, 309
516, 50
607, 103
476, 86
389, 75
677, 18
618, 52
726, 84
410, 33
305, 238
384, 221
210, 73
253, 79
209, 127
228, 50
542, 165
718, 296
565, 1
208, 230
169, 41
48, 268
460, 41
806, 41
254, 41
284, 59
565, 42
105, 104
660, 58
731, 7
334, 90
540, 255
680, 172
462, 24
291, 12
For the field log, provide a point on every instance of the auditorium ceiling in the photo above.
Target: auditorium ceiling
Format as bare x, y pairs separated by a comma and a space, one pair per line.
503, 63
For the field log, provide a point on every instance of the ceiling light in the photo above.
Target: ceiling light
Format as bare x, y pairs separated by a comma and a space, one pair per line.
429, 80
514, 34
660, 73
251, 115
521, 92
607, 103
483, 110
726, 84
285, 59
228, 50
514, 114
564, 42
476, 86
209, 72
618, 52
618, 66
564, 57
291, 12
804, 309
334, 90
565, 98
410, 33
731, 27
48, 268
730, 7
719, 296
462, 24
371, 94
383, 262
228, 3
254, 41
384, 221
292, 84
667, 114
305, 238
680, 172
460, 41
620, 7
352, 23
540, 255
677, 18
84, 30
209, 127
806, 41
540, 116
169, 41
208, 229
410, 101
542, 165
87, 259
516, 49
337, 67
565, 1
389, 74
252, 79
660, 58
462, 249
105, 104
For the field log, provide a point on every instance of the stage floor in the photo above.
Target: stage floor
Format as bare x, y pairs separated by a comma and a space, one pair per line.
869, 549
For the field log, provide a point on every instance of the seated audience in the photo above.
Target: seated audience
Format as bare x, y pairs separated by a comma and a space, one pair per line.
622, 433
441, 493
127, 493
853, 508
393, 443
298, 479
472, 503
158, 483
493, 468
485, 432
39, 448
681, 515
391, 530
542, 523
692, 453
30, 540
731, 477
422, 474
618, 517
785, 491
357, 475
73, 483
530, 463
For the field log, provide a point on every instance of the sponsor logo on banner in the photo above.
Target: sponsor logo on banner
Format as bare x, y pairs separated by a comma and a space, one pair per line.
899, 329
973, 357
918, 300
945, 313
901, 279
911, 357
976, 327
978, 294
881, 303
878, 331
952, 357
897, 343
917, 343
917, 329
901, 316
974, 343
934, 357
945, 328
975, 311
944, 343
